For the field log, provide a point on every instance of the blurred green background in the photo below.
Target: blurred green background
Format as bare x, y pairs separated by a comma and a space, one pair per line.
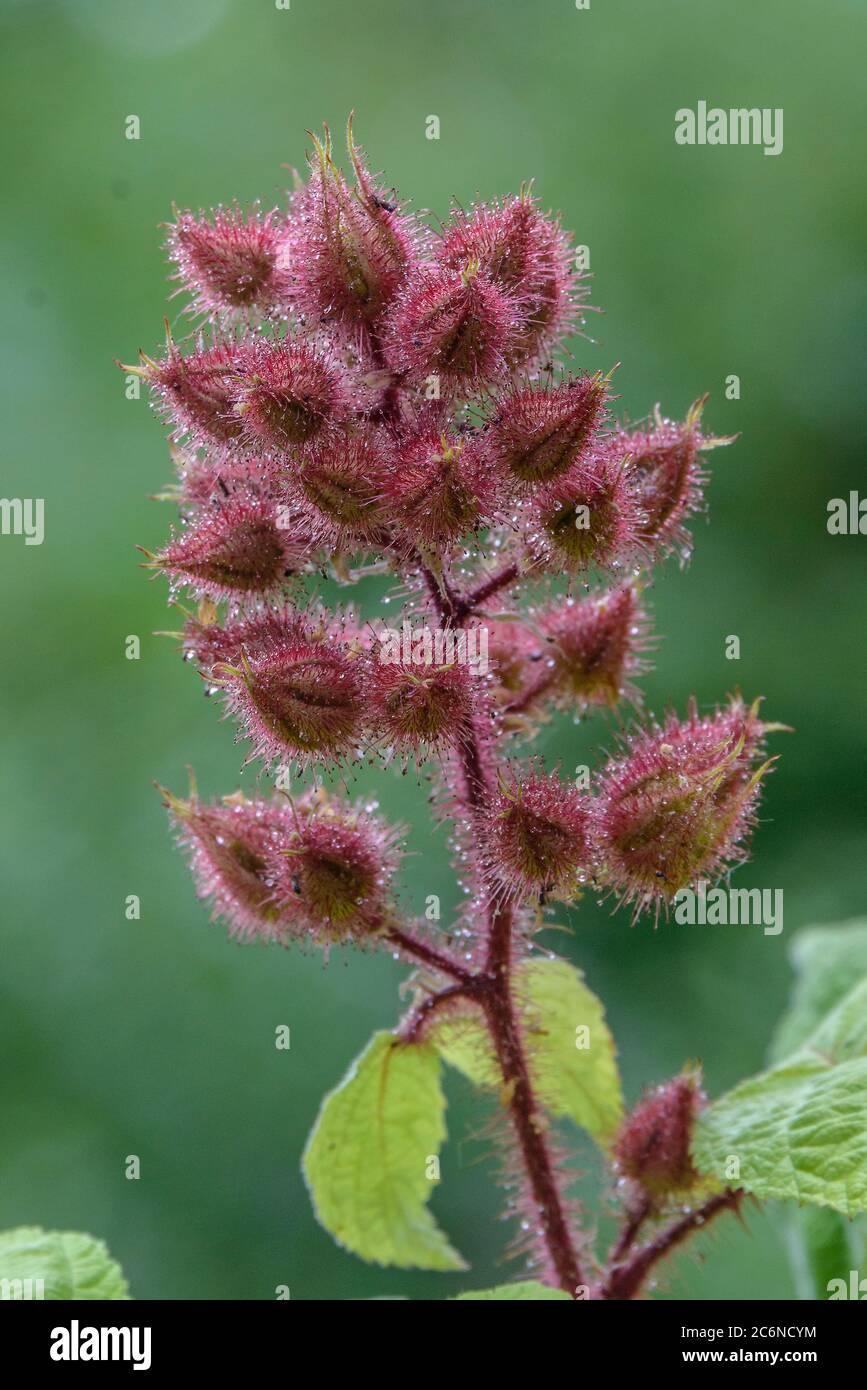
155, 1037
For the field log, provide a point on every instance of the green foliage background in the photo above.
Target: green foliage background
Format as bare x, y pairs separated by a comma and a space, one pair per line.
156, 1037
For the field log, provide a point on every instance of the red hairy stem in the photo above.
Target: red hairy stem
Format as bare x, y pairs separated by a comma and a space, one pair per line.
430, 955
413, 1029
495, 996
624, 1281
490, 586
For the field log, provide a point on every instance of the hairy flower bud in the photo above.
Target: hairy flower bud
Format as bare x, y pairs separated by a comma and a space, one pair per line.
677, 806
228, 262
229, 843
653, 1147
454, 325
538, 838
336, 869
288, 394
418, 707
338, 485
439, 489
234, 550
527, 256
537, 434
302, 698
347, 250
591, 651
665, 464
590, 518
196, 392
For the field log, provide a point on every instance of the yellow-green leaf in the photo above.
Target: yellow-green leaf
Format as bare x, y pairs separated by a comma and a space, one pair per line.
369, 1161
38, 1264
570, 1050
528, 1291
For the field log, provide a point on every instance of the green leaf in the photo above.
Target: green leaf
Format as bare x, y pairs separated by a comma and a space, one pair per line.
828, 961
571, 1079
800, 1129
527, 1292
823, 1245
68, 1264
367, 1160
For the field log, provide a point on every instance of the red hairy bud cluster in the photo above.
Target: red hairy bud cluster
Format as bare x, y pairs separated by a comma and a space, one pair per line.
653, 1147
276, 870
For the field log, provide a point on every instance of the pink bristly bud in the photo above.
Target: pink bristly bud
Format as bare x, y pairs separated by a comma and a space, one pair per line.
338, 486
527, 255
347, 250
591, 652
676, 808
665, 465
538, 841
197, 392
234, 550
514, 653
300, 698
439, 489
538, 433
417, 707
228, 262
336, 869
288, 394
590, 518
230, 844
454, 325
653, 1147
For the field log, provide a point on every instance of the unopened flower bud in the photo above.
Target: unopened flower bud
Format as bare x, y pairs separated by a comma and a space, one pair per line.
653, 1147
301, 699
418, 708
589, 519
196, 392
526, 255
594, 648
538, 835
336, 869
347, 250
665, 464
678, 805
537, 434
287, 394
452, 324
228, 262
230, 843
338, 485
439, 489
234, 550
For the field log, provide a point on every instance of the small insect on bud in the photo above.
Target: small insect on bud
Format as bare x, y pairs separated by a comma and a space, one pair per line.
526, 255
338, 486
336, 869
538, 835
594, 648
439, 490
666, 467
197, 392
347, 251
287, 394
417, 707
537, 434
230, 843
677, 807
234, 550
589, 519
452, 324
653, 1147
228, 262
302, 698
